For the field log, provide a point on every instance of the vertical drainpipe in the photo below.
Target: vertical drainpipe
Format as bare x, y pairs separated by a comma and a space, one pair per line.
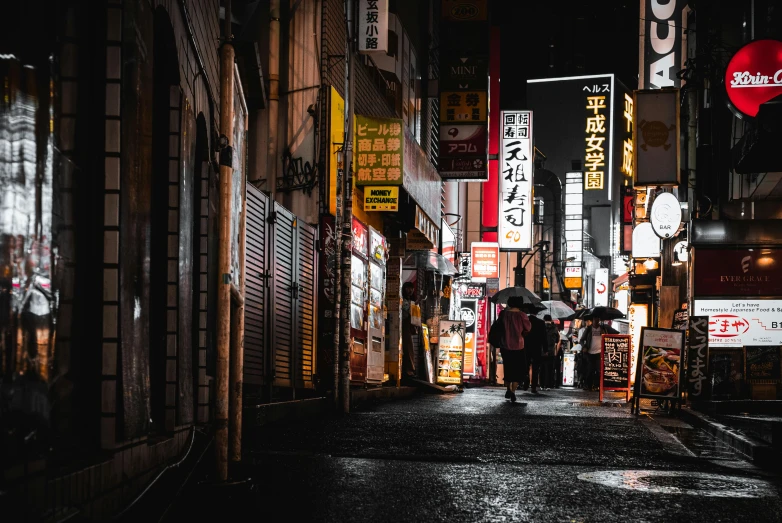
274, 94
224, 249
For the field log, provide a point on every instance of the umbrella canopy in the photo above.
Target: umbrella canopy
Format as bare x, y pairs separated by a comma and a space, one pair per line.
607, 313
529, 296
431, 261
557, 309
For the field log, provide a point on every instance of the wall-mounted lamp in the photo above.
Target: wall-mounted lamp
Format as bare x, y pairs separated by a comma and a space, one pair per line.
650, 264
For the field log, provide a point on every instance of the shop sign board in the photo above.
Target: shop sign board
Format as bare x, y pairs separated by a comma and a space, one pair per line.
515, 216
379, 153
659, 365
463, 107
464, 10
481, 335
646, 244
469, 314
573, 277
666, 215
601, 287
741, 322
372, 26
698, 358
615, 364
464, 169
464, 151
485, 260
662, 40
447, 242
737, 272
680, 319
754, 76
656, 137
450, 352
381, 198
462, 72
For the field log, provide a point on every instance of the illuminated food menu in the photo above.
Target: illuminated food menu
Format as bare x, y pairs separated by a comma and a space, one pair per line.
659, 364
450, 352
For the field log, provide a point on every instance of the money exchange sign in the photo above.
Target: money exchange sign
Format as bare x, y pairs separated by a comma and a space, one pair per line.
515, 219
379, 151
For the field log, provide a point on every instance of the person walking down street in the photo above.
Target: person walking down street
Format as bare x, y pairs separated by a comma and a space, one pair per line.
592, 342
549, 353
408, 330
508, 332
536, 344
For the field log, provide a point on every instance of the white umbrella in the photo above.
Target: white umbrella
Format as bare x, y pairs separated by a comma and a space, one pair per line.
557, 309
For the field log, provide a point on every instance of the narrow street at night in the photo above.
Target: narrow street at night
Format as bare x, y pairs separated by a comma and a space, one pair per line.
558, 456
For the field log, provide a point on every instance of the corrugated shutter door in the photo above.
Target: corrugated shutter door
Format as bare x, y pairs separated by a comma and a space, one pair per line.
256, 264
282, 291
306, 277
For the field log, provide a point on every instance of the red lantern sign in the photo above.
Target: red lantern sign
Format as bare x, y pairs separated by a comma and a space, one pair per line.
754, 75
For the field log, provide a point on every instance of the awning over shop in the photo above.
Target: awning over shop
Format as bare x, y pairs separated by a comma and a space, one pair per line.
621, 280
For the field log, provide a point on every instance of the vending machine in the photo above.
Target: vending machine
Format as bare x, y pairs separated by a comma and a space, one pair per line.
359, 291
376, 313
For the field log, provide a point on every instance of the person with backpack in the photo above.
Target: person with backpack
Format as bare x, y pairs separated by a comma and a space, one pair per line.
508, 332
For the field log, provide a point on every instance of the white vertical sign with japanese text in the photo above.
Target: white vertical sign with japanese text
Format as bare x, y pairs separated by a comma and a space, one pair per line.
601, 287
372, 26
515, 220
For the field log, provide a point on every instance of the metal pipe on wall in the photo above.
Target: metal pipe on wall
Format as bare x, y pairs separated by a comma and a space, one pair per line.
224, 252
274, 95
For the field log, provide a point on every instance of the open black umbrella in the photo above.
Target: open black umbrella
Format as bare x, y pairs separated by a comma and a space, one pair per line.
529, 296
431, 261
607, 313
579, 314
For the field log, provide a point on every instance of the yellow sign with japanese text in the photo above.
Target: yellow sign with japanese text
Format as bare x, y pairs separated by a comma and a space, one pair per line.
379, 151
381, 198
463, 106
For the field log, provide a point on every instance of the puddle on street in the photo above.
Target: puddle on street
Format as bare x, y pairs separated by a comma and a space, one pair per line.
682, 482
702, 444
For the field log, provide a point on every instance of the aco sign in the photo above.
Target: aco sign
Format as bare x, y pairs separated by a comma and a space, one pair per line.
754, 75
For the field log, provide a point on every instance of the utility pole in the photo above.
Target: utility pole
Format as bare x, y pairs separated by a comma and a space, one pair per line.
224, 248
347, 215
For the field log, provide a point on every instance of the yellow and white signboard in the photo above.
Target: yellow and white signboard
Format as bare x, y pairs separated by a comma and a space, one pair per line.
381, 198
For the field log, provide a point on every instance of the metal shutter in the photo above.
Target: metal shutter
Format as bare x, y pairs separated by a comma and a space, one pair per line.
284, 276
306, 277
256, 301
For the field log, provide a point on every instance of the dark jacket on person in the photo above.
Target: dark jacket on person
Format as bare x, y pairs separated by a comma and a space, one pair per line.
537, 338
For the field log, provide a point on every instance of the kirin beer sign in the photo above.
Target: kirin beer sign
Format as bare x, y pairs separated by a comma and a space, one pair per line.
754, 76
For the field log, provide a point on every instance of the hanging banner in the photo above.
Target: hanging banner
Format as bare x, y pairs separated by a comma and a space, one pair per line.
481, 332
469, 314
656, 137
372, 26
515, 216
661, 37
698, 385
601, 287
450, 353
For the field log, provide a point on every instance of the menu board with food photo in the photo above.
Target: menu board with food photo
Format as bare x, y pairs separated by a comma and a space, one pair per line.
660, 363
450, 352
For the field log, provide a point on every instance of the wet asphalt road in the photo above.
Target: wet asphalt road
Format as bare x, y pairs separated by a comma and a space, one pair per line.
474, 456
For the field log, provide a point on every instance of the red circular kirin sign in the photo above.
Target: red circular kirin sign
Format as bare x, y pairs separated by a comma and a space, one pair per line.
754, 75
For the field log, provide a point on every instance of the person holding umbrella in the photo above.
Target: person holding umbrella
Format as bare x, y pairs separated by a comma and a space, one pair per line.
592, 342
508, 332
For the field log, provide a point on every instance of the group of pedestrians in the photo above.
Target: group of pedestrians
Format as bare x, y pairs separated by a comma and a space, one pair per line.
589, 339
530, 348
